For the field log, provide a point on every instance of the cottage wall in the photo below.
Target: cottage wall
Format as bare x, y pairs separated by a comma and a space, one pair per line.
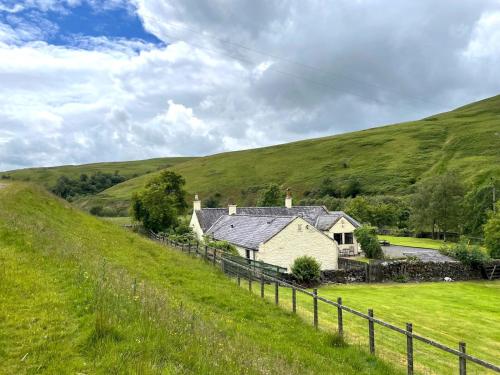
344, 226
297, 239
195, 226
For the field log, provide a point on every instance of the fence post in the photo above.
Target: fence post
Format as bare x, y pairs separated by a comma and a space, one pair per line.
409, 348
250, 283
339, 317
262, 286
239, 277
315, 307
206, 252
189, 248
197, 247
462, 362
276, 293
371, 331
215, 256
294, 300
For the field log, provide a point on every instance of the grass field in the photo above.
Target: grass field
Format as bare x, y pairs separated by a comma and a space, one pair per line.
446, 312
387, 160
48, 176
425, 243
81, 295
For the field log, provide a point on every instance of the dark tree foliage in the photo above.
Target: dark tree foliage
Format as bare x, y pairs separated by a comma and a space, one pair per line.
438, 204
213, 201
84, 185
353, 188
271, 196
478, 203
160, 204
367, 238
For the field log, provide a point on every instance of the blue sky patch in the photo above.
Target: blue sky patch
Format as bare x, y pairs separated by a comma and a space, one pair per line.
60, 27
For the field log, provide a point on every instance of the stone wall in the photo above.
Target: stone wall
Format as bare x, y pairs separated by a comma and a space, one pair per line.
402, 271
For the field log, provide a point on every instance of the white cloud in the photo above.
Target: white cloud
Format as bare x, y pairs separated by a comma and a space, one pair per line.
236, 74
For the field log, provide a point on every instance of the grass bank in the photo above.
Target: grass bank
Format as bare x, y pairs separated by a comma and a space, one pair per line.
80, 295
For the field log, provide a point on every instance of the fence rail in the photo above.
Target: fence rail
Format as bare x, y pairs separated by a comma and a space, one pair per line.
240, 270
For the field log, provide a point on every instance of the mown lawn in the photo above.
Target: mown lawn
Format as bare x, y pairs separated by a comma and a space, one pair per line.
80, 295
425, 243
446, 312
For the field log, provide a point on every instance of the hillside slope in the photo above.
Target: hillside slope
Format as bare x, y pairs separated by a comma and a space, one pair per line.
48, 176
79, 295
387, 160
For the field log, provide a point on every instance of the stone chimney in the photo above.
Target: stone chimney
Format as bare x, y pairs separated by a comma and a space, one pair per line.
232, 209
288, 199
196, 203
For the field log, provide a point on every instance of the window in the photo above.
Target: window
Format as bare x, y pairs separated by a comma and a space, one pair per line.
248, 254
349, 239
338, 237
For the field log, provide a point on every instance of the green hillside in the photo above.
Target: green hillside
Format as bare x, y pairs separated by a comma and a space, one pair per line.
387, 160
80, 295
48, 176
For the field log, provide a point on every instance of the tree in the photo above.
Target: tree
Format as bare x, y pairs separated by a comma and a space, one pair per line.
367, 238
272, 196
159, 205
353, 188
437, 204
478, 203
492, 233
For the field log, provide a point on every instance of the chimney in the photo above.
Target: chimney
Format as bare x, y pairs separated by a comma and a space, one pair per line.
196, 203
288, 199
232, 209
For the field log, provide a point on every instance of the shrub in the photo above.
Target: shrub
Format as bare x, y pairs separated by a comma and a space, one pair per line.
470, 255
306, 270
223, 245
96, 210
367, 238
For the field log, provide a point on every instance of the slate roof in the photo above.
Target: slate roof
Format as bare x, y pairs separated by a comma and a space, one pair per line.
325, 222
208, 216
248, 231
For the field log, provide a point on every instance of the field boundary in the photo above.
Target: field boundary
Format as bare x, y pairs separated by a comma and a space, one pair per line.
218, 258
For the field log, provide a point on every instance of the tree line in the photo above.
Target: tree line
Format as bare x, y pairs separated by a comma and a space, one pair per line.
70, 188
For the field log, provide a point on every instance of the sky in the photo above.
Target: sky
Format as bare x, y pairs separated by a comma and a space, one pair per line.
85, 81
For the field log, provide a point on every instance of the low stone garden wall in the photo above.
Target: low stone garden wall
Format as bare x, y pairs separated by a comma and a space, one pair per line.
402, 271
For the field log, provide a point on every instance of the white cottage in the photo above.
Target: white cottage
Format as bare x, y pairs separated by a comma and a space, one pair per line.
336, 225
276, 240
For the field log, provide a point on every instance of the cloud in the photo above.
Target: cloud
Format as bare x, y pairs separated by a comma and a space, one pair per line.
234, 75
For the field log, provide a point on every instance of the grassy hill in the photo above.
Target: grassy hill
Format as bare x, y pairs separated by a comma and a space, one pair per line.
80, 295
130, 169
387, 160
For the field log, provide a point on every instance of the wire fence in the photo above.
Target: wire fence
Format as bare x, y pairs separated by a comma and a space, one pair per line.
400, 346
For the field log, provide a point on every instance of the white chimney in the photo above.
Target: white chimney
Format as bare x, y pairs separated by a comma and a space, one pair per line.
232, 209
196, 203
288, 199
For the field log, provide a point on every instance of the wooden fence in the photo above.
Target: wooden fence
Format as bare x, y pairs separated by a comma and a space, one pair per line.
217, 257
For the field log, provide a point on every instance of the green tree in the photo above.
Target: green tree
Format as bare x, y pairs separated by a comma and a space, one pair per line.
353, 188
367, 238
159, 205
437, 204
492, 233
271, 196
478, 203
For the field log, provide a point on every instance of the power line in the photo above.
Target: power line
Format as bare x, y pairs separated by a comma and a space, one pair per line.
291, 62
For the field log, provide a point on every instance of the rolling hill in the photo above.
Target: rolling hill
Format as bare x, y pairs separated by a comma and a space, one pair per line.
387, 160
80, 295
130, 169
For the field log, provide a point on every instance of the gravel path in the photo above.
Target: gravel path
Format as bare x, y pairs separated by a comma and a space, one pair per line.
425, 255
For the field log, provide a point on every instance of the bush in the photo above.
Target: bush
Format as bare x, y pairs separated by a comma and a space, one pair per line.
367, 238
306, 270
465, 253
222, 245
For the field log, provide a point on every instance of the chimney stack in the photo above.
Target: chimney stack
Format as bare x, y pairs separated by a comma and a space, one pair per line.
232, 209
196, 203
288, 199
